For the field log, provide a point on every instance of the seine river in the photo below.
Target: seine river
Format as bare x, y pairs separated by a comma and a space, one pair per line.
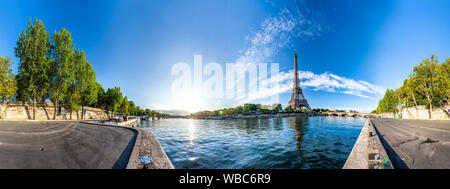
269, 143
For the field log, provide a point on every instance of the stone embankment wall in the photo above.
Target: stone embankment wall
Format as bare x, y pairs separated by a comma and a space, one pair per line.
421, 112
44, 111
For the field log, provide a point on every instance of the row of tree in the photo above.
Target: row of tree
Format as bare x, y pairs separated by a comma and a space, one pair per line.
428, 84
245, 109
51, 69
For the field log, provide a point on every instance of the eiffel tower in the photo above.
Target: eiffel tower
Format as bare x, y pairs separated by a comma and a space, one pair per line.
298, 101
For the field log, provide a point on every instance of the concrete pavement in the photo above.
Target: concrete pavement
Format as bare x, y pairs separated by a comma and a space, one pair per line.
64, 144
416, 144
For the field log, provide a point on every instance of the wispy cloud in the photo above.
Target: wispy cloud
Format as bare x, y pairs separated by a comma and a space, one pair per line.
298, 22
327, 82
277, 31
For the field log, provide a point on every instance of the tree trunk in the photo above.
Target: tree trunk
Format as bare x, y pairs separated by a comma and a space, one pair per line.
415, 106
431, 106
54, 107
34, 108
70, 116
82, 112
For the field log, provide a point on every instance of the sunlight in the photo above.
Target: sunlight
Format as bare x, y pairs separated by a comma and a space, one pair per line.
190, 102
191, 131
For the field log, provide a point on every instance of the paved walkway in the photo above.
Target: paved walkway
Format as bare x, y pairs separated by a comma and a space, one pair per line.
64, 144
368, 151
416, 143
358, 156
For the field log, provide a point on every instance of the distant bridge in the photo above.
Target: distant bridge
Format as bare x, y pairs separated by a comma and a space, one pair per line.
348, 114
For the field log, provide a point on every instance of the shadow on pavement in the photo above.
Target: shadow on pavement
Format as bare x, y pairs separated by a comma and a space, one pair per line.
397, 161
122, 162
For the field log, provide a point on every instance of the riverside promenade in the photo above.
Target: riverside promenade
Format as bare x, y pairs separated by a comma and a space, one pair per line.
76, 145
368, 151
409, 144
416, 144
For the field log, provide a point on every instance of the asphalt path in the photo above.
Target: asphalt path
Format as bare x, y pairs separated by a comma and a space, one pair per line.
416, 144
64, 145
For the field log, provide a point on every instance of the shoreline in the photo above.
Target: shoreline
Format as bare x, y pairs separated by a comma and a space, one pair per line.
146, 143
257, 116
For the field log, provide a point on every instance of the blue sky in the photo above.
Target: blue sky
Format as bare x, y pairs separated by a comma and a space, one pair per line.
349, 51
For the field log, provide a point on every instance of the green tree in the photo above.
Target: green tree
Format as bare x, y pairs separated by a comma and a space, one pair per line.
132, 108
61, 69
443, 83
124, 106
101, 95
399, 95
8, 83
426, 73
388, 103
86, 82
32, 50
113, 99
289, 109
278, 107
72, 97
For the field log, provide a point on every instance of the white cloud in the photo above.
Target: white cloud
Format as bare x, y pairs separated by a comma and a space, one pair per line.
278, 31
327, 82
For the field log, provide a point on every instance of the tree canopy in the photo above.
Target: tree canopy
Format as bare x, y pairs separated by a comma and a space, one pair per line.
33, 50
428, 84
8, 84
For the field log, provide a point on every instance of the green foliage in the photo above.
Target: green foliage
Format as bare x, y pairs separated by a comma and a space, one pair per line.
442, 84
278, 107
249, 108
61, 70
245, 109
32, 50
50, 69
8, 84
425, 74
124, 106
86, 81
101, 96
289, 109
428, 84
113, 99
388, 103
132, 110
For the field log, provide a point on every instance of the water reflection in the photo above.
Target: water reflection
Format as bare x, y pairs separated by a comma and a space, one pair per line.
299, 125
287, 142
191, 131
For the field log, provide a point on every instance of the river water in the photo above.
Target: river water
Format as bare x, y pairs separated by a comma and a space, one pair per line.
269, 143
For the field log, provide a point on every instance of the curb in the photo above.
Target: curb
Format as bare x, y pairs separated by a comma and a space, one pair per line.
366, 150
161, 161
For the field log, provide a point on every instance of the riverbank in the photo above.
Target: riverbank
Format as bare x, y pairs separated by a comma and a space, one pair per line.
294, 142
256, 116
77, 145
420, 113
21, 110
368, 151
64, 145
415, 144
146, 145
